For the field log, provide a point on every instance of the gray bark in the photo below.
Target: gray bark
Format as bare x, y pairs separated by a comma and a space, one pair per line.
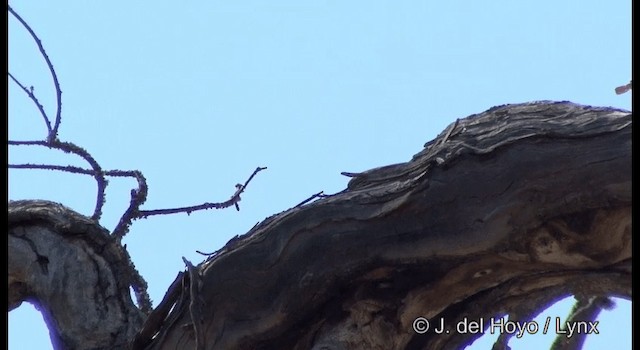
504, 212
72, 270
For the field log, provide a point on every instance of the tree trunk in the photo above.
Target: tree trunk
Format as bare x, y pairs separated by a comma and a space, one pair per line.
72, 270
505, 212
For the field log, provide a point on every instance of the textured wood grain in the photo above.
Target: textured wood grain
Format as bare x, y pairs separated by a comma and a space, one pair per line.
517, 207
504, 212
71, 270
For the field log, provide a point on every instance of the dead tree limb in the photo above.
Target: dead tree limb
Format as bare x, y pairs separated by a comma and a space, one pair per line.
528, 204
504, 213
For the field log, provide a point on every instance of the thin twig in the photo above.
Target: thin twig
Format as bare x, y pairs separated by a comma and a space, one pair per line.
35, 100
348, 174
66, 168
235, 198
53, 134
143, 214
69, 147
72, 169
314, 196
258, 169
138, 197
205, 254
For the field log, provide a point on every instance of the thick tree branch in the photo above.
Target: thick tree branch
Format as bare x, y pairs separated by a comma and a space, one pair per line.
73, 271
504, 212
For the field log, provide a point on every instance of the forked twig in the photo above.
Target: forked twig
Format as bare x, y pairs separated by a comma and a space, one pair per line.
139, 195
53, 132
35, 100
235, 198
69, 147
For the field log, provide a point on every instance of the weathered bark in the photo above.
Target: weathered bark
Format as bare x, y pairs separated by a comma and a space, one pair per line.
504, 212
72, 270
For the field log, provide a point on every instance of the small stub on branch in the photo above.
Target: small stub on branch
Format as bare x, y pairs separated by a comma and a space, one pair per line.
622, 89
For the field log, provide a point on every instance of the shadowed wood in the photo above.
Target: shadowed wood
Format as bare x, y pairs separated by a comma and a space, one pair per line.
74, 273
505, 212
509, 210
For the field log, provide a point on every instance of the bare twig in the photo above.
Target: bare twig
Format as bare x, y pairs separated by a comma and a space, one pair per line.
35, 100
138, 197
348, 174
73, 169
258, 169
69, 147
314, 196
66, 168
235, 198
204, 206
205, 254
53, 133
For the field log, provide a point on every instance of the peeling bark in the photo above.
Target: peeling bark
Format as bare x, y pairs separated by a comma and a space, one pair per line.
504, 213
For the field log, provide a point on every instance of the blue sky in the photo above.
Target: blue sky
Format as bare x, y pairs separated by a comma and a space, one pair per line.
197, 95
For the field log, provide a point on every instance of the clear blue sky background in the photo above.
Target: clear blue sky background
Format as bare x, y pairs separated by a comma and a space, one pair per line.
197, 95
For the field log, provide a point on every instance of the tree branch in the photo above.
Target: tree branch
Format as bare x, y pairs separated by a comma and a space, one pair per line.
481, 234
624, 88
235, 198
69, 147
138, 196
35, 100
53, 134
